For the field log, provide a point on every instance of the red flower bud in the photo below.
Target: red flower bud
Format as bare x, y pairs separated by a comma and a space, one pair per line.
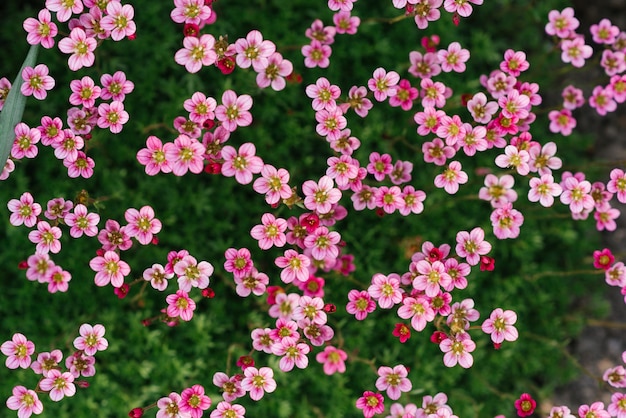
22, 265
191, 29
438, 337
208, 293
82, 384
136, 413
330, 308
122, 291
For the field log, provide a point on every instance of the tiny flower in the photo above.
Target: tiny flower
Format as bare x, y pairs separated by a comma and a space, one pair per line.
193, 401
500, 326
258, 381
41, 30
59, 384
81, 48
525, 405
91, 339
37, 82
18, 350
118, 20
180, 305
25, 402
371, 403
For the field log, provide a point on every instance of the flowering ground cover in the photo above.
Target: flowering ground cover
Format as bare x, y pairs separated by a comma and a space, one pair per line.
323, 209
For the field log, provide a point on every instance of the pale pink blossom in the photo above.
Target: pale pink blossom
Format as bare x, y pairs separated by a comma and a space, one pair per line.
234, 110
81, 166
324, 34
64, 8
25, 402
238, 262
433, 93
320, 196
385, 290
157, 277
58, 384
112, 116
242, 163
294, 265
24, 211
437, 152
273, 183
454, 58
562, 24
18, 351
451, 178
84, 92
273, 75
514, 62
82, 222
119, 20
383, 83
253, 51
153, 157
41, 30
109, 269
605, 217
429, 12
192, 273
271, 232
575, 51
515, 158
360, 304
333, 360
462, 7
506, 221
81, 47
481, 110
169, 407
258, 381
562, 121
293, 354
457, 350
345, 22
543, 190
191, 11
196, 52
323, 93
500, 326
393, 380
115, 86
358, 101
601, 99
576, 194
46, 237
25, 142
316, 54
617, 184
194, 402
472, 245
604, 32
91, 339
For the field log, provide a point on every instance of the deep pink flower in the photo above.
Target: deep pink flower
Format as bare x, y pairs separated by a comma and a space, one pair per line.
58, 279
81, 166
323, 94
25, 142
324, 34
36, 81
433, 93
84, 92
604, 32
514, 62
371, 403
185, 154
525, 405
601, 99
454, 58
424, 65
81, 47
193, 401
360, 304
180, 305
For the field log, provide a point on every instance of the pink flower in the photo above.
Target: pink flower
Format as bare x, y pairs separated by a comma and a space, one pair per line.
498, 190
412, 201
58, 279
80, 364
46, 362
180, 305
371, 403
36, 81
242, 163
514, 105
457, 349
191, 11
84, 92
234, 110
576, 195
323, 243
18, 350
64, 8
330, 122
358, 101
273, 183
394, 381
506, 221
516, 158
258, 381
293, 354
433, 93
617, 86
451, 178
604, 32
238, 262
271, 232
605, 217
345, 23
514, 63
157, 277
602, 100
360, 304
525, 405
193, 274
169, 407
419, 310
424, 65
472, 245
333, 360
200, 107
323, 94
462, 7
59, 384
316, 54
193, 401
379, 165
386, 290
562, 24
544, 190
388, 198
226, 410
24, 211
429, 13
153, 157
383, 83
82, 166
112, 116
253, 51
437, 152
118, 20
562, 121
196, 52
25, 402
25, 142
109, 269
46, 237
405, 95
320, 196
430, 277
81, 47
454, 58
617, 184
617, 407
91, 339
115, 86
185, 154
41, 30
575, 51
81, 222
324, 34
294, 265
572, 97
142, 224
500, 326
273, 75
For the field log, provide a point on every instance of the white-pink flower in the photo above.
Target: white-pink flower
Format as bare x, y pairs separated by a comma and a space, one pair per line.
271, 232
190, 11
196, 52
394, 381
180, 305
242, 163
253, 51
64, 8
185, 154
81, 47
18, 351
500, 326
258, 381
41, 30
234, 110
383, 83
142, 224
109, 269
82, 222
37, 82
320, 196
91, 339
457, 350
119, 20
25, 402
294, 265
451, 178
58, 384
472, 245
544, 190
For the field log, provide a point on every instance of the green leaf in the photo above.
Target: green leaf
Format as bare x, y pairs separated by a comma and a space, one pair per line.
13, 108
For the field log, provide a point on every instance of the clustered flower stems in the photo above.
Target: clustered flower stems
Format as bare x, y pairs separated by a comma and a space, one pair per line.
309, 244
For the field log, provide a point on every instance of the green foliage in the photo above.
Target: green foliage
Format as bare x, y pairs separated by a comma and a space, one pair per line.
208, 214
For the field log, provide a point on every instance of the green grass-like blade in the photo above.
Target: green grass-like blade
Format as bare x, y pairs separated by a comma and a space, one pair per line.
13, 109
